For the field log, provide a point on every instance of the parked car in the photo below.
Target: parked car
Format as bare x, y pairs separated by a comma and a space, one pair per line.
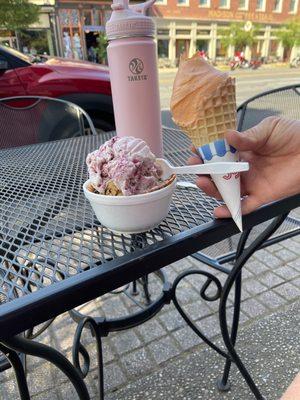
80, 82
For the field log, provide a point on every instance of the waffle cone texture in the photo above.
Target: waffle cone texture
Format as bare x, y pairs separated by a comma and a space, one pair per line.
216, 116
203, 102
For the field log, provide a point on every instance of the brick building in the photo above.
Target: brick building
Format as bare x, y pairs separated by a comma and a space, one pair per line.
191, 25
79, 23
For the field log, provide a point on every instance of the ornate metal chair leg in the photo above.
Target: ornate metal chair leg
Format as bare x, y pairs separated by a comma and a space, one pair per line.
223, 383
134, 290
18, 367
145, 281
243, 370
22, 345
243, 256
78, 348
100, 369
23, 358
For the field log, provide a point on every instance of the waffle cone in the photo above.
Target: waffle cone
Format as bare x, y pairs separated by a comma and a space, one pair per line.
217, 114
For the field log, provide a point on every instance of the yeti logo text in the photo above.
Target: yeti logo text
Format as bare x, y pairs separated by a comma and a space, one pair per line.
136, 66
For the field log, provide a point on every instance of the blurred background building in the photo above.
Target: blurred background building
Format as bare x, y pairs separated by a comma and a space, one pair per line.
66, 28
191, 25
75, 28
79, 24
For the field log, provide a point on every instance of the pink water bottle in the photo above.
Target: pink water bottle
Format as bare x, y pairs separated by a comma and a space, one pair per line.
132, 59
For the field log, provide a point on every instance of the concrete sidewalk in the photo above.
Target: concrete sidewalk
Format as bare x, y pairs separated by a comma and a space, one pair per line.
270, 349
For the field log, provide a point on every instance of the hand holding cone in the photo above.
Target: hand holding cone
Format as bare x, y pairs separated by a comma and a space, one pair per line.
203, 105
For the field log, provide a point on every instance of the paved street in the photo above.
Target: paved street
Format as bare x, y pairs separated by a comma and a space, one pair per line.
249, 83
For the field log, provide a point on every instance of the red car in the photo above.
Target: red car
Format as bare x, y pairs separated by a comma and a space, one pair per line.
80, 82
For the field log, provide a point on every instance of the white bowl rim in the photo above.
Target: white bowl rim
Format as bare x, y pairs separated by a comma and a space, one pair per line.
137, 198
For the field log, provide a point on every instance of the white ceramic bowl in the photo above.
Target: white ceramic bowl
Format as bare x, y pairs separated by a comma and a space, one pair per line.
131, 214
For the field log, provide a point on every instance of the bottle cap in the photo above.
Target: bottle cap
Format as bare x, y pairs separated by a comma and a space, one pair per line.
130, 20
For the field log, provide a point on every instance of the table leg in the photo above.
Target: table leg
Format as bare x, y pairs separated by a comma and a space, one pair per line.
223, 384
25, 346
210, 279
134, 290
101, 327
244, 255
78, 348
144, 281
19, 370
221, 294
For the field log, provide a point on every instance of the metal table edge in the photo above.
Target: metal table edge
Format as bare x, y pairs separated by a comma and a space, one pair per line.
33, 309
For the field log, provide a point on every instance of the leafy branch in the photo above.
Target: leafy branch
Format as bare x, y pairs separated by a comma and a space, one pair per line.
236, 35
289, 34
101, 47
17, 14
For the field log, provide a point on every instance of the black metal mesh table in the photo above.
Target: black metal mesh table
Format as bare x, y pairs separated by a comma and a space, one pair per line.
47, 228
54, 255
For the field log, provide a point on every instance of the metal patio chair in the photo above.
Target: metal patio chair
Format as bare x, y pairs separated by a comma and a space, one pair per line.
34, 119
285, 102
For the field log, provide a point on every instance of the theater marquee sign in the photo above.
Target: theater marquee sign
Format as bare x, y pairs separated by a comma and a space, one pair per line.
241, 15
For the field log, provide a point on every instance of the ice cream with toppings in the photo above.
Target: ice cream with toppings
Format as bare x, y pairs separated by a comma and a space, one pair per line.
123, 166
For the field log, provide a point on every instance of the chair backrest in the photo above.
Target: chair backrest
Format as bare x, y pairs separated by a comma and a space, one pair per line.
29, 119
284, 101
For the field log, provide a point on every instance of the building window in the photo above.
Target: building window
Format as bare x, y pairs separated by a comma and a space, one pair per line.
293, 6
182, 2
72, 37
163, 48
261, 5
202, 45
243, 4
163, 32
183, 32
224, 3
204, 3
87, 17
277, 6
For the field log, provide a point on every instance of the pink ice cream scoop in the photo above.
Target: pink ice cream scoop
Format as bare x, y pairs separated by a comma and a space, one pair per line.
126, 162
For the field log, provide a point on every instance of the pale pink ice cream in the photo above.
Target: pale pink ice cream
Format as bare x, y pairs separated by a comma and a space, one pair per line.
127, 162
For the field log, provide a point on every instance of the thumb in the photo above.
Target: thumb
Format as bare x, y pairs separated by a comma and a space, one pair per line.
254, 138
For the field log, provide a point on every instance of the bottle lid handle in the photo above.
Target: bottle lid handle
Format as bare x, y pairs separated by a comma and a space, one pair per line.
120, 5
142, 7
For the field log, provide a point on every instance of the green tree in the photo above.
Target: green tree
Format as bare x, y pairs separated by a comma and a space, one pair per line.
236, 35
17, 14
289, 35
101, 47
